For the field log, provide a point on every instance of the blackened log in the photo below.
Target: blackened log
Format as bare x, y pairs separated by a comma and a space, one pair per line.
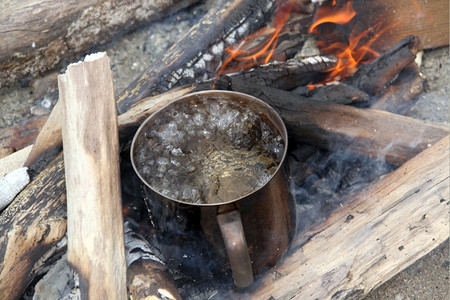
225, 23
37, 35
287, 75
373, 78
400, 97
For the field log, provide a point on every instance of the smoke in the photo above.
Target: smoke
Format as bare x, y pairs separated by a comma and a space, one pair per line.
322, 180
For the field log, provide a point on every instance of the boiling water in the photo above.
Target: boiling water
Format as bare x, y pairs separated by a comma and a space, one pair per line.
207, 151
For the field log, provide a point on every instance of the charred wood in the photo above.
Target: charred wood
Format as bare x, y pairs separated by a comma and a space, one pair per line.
287, 75
33, 43
400, 97
225, 23
31, 225
373, 78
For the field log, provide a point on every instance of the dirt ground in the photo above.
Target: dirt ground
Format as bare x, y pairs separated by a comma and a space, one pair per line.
427, 278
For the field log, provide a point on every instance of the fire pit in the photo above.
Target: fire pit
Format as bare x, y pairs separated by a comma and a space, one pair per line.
356, 169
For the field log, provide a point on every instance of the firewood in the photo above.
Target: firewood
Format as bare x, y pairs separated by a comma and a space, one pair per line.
33, 43
31, 225
95, 246
378, 233
399, 97
372, 78
48, 141
11, 184
371, 132
14, 160
429, 20
204, 44
23, 134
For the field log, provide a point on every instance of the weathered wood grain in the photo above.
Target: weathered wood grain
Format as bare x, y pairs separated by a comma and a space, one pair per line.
95, 237
373, 237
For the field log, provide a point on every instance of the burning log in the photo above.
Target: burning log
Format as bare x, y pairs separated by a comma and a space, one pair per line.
365, 243
91, 158
374, 77
36, 42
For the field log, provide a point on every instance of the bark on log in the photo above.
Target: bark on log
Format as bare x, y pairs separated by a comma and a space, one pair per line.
224, 24
30, 226
37, 35
373, 237
95, 237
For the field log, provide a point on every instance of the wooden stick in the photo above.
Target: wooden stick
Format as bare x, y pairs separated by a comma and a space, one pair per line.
49, 136
373, 237
33, 43
95, 246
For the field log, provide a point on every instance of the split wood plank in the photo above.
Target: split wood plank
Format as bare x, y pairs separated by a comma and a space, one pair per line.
429, 20
95, 245
374, 236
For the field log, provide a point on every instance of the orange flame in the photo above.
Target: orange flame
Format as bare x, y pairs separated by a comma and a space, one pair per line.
356, 49
262, 53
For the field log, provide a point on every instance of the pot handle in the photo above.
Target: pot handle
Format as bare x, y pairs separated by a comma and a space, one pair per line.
230, 224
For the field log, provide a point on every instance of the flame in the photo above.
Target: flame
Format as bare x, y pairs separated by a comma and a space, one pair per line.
263, 51
351, 51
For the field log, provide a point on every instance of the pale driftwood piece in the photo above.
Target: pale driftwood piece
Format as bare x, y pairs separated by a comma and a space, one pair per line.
37, 35
32, 224
95, 247
14, 160
373, 237
49, 138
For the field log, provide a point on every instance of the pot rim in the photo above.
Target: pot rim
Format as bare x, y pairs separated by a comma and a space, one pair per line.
273, 114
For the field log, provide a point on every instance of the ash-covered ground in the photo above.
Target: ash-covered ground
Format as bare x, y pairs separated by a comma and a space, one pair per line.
428, 278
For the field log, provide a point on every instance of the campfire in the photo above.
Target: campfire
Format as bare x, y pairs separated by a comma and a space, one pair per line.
340, 81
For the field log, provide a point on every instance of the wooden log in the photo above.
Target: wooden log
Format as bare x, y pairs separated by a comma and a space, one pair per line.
400, 97
30, 226
375, 235
37, 35
5, 151
95, 246
21, 135
48, 142
370, 132
14, 160
429, 20
373, 78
